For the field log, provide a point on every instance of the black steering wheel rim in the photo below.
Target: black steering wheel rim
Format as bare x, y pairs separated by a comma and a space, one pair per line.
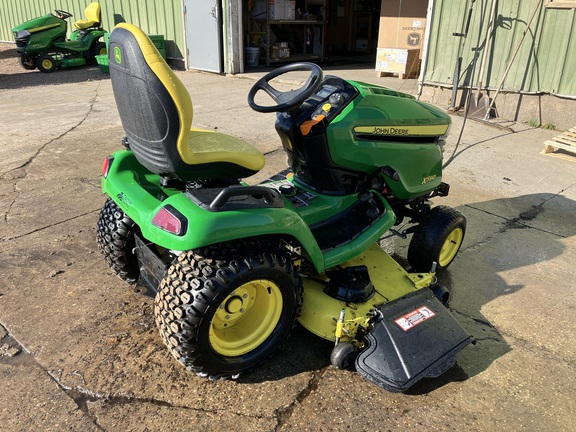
62, 13
289, 100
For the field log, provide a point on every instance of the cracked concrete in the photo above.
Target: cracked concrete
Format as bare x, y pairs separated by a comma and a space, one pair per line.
86, 354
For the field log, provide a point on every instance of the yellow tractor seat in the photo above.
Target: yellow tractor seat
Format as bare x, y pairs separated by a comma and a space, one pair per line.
156, 113
93, 17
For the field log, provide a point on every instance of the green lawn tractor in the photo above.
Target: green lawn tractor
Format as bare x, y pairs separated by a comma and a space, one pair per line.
234, 266
42, 42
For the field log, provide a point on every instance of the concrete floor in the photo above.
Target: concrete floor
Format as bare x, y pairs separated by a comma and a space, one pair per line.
79, 350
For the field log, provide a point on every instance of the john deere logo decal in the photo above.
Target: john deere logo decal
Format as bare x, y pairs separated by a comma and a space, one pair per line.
419, 130
117, 55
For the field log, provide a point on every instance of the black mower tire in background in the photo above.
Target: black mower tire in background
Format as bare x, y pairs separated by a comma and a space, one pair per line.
219, 317
115, 235
46, 63
437, 238
28, 61
97, 48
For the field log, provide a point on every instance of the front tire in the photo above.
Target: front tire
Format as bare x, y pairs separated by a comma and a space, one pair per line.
219, 317
437, 239
28, 61
115, 236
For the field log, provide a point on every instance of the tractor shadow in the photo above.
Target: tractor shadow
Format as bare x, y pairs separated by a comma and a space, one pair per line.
493, 246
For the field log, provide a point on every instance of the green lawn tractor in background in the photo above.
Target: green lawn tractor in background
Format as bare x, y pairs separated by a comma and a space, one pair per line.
42, 42
234, 266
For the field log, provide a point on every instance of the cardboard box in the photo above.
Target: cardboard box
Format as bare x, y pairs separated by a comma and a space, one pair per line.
276, 9
402, 24
290, 9
398, 60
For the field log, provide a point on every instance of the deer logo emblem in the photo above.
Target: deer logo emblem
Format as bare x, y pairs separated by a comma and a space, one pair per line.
413, 39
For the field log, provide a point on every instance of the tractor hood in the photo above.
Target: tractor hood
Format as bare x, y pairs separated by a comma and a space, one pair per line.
381, 127
42, 23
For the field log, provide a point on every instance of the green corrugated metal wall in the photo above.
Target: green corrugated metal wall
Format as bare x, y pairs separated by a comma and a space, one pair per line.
153, 16
545, 63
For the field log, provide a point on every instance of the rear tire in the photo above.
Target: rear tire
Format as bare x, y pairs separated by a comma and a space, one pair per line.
219, 317
437, 238
46, 63
115, 235
97, 48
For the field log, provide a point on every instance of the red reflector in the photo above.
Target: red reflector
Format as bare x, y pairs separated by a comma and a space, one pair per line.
106, 166
167, 221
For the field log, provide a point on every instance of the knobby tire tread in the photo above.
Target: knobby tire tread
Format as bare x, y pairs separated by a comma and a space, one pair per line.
115, 236
194, 285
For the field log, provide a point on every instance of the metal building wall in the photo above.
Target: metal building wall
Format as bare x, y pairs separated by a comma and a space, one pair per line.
153, 16
545, 63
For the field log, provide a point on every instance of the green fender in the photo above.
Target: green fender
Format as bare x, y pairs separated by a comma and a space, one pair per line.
137, 192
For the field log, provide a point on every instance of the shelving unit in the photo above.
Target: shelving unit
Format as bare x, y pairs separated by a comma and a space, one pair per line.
304, 37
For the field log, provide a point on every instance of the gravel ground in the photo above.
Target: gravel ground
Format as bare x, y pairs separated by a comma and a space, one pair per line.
14, 76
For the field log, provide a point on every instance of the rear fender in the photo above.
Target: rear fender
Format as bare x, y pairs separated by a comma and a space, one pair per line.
206, 227
81, 40
137, 193
89, 37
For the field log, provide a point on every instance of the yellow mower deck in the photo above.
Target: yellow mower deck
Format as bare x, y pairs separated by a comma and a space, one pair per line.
321, 313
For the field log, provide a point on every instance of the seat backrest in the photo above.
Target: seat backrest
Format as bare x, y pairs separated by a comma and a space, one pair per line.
154, 106
93, 12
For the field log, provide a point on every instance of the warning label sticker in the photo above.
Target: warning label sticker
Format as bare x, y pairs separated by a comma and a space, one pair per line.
412, 319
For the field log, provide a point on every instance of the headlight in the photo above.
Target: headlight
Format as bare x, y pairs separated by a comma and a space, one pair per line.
22, 34
442, 139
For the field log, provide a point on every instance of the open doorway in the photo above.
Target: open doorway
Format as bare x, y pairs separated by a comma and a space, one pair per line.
352, 28
333, 31
357, 29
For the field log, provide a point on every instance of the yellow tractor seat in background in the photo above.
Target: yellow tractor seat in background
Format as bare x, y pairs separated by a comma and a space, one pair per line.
93, 17
156, 113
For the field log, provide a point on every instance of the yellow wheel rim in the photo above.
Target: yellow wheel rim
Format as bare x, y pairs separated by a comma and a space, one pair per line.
103, 51
46, 64
246, 318
450, 247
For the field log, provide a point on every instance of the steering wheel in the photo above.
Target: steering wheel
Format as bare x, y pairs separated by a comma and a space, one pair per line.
62, 14
288, 100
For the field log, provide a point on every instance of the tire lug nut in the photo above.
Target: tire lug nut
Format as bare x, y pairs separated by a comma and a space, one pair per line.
227, 317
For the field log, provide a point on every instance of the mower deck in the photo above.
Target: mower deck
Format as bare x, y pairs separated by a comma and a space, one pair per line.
406, 332
320, 312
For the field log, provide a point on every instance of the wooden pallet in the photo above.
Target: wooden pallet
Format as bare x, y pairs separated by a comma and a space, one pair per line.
566, 142
399, 75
